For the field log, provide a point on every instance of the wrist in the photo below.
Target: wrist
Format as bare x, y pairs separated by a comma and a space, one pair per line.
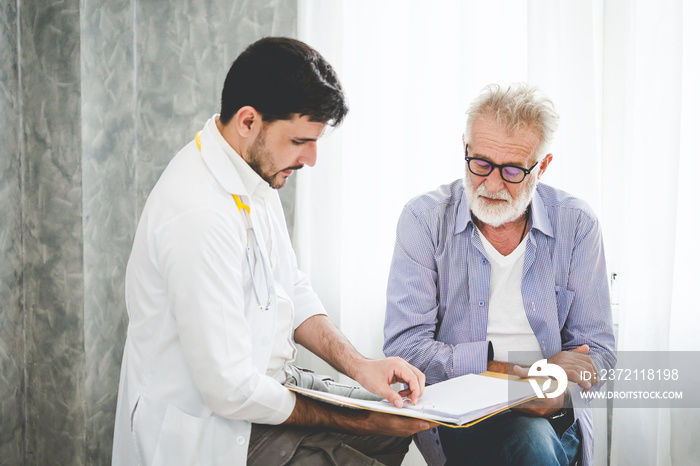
356, 367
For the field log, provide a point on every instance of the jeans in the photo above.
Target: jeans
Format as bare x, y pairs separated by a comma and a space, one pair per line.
510, 438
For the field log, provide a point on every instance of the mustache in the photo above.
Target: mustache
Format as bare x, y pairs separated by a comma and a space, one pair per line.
503, 194
295, 167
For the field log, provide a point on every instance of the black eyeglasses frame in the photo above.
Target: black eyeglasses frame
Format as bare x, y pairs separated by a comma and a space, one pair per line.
526, 171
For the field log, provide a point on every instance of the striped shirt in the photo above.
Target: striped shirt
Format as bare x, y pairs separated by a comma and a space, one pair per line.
438, 291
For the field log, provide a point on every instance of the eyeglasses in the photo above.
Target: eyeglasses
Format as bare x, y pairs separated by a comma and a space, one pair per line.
509, 173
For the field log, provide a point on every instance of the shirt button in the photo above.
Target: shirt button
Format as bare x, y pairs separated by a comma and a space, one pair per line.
483, 261
481, 303
240, 440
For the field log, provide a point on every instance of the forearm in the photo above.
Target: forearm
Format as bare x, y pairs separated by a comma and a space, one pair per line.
311, 413
500, 367
320, 336
438, 360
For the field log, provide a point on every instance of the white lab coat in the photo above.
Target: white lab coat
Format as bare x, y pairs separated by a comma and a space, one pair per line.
198, 345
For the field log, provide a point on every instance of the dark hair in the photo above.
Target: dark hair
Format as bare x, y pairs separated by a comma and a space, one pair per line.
280, 77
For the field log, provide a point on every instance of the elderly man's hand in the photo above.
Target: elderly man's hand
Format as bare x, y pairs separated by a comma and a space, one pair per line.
378, 375
575, 363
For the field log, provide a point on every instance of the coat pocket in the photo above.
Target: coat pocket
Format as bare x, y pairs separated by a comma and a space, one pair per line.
180, 438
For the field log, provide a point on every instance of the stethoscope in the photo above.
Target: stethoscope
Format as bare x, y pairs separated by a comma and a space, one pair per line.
252, 252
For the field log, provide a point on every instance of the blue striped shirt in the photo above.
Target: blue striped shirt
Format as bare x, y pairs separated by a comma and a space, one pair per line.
438, 292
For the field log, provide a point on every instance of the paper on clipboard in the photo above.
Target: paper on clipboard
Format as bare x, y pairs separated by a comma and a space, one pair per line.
458, 402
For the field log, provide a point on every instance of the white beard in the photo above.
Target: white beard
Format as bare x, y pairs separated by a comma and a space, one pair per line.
499, 214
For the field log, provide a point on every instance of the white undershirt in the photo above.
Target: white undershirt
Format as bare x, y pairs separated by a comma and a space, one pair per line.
508, 328
283, 349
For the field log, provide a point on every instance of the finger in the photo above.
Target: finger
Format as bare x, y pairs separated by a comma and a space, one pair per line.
583, 365
421, 380
425, 425
581, 349
404, 394
407, 376
391, 396
420, 377
520, 371
575, 376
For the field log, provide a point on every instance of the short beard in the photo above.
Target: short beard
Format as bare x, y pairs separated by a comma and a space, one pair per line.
497, 215
259, 157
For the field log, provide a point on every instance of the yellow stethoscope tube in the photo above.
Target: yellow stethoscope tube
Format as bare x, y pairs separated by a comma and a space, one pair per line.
253, 252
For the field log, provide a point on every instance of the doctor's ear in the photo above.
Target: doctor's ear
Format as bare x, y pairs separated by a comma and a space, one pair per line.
247, 120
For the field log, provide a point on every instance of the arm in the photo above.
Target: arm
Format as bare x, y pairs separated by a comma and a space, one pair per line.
412, 308
311, 413
321, 337
587, 337
589, 321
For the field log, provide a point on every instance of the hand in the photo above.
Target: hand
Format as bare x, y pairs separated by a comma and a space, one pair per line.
574, 363
378, 375
542, 407
377, 423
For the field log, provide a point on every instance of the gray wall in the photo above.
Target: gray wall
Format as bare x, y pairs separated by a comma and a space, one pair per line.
95, 98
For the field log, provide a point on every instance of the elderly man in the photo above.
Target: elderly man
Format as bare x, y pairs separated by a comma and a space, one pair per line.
497, 269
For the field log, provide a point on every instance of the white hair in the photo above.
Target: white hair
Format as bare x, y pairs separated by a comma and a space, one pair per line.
519, 106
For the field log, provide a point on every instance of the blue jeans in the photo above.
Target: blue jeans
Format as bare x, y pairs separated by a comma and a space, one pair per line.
510, 438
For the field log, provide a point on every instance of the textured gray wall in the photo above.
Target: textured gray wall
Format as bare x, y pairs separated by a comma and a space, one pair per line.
109, 214
12, 394
49, 61
95, 99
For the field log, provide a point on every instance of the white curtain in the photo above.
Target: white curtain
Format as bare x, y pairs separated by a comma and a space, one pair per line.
624, 76
656, 223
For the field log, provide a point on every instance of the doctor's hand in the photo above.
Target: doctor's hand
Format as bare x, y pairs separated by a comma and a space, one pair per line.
378, 375
376, 423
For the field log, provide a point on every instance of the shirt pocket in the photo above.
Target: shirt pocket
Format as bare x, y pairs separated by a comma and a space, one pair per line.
564, 299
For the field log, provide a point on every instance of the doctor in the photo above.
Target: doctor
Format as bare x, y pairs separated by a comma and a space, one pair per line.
216, 302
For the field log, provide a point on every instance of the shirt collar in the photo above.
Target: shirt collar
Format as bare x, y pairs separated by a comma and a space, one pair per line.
540, 219
464, 214
252, 182
538, 214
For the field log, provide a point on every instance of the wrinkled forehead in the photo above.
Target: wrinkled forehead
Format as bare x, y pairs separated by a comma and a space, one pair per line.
509, 127
489, 136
